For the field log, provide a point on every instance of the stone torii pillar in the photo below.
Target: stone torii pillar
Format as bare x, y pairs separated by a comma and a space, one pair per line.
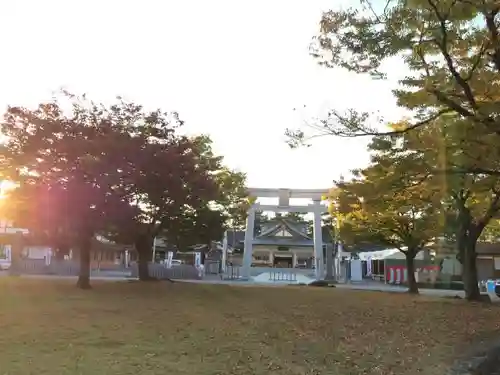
284, 196
248, 244
318, 240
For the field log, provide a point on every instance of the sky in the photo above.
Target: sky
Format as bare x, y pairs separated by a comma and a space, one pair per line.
233, 69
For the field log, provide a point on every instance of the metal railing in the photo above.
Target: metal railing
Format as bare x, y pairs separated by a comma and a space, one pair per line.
159, 271
282, 276
40, 267
232, 273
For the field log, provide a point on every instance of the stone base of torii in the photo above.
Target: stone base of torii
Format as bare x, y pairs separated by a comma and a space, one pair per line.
284, 195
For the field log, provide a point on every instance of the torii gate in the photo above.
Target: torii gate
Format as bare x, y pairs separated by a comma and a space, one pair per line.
284, 196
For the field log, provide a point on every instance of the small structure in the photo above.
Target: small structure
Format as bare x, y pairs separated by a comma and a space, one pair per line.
389, 265
284, 196
488, 260
356, 270
104, 253
283, 243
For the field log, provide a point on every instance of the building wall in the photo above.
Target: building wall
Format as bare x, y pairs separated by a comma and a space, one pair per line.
36, 252
452, 267
266, 249
486, 268
263, 255
110, 258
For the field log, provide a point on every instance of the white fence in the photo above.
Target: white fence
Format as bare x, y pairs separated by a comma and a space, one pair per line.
160, 271
40, 267
280, 275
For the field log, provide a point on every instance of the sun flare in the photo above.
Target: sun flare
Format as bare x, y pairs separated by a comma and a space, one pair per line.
4, 187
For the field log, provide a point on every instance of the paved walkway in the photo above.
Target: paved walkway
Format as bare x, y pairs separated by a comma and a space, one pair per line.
93, 276
373, 286
212, 279
402, 289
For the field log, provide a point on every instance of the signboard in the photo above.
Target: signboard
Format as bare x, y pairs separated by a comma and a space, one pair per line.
127, 258
369, 266
170, 256
197, 259
356, 270
48, 256
224, 252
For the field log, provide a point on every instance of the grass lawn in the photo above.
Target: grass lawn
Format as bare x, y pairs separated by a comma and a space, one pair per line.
51, 328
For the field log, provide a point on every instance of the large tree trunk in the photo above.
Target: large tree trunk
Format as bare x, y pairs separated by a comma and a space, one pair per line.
144, 246
410, 269
469, 271
16, 251
85, 243
467, 238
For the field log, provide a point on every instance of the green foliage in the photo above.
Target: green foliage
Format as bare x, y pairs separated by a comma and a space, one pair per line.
296, 217
491, 232
117, 170
192, 227
374, 208
451, 49
390, 204
226, 208
233, 197
260, 219
68, 169
447, 153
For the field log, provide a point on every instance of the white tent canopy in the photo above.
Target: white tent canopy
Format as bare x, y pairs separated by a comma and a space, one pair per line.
387, 254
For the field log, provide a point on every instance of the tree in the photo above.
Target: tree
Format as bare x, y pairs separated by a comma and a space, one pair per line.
122, 170
491, 232
444, 153
167, 177
383, 205
296, 217
64, 187
261, 218
233, 196
451, 49
181, 183
224, 207
201, 226
329, 227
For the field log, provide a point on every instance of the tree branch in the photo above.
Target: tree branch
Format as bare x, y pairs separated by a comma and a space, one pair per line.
443, 47
493, 30
493, 208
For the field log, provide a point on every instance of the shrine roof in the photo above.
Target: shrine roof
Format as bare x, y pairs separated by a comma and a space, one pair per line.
284, 242
285, 233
